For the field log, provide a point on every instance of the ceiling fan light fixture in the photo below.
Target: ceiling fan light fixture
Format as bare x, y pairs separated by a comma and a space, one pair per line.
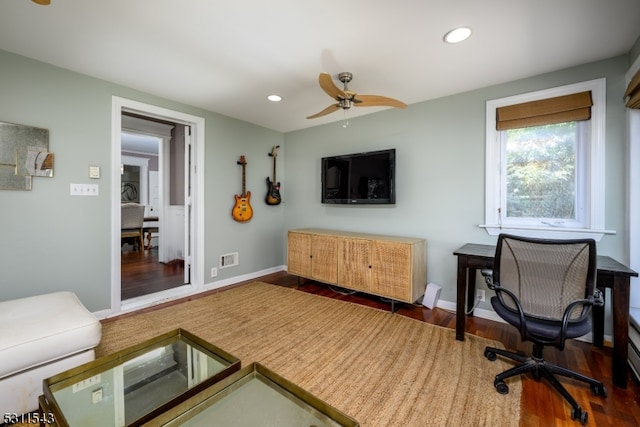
457, 35
345, 104
274, 98
42, 2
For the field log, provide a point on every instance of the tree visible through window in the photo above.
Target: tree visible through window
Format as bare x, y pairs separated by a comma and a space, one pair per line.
541, 171
545, 162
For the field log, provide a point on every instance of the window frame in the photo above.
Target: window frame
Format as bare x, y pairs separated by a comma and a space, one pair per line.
594, 170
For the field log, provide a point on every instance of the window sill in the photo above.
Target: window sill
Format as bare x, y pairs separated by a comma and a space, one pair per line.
547, 232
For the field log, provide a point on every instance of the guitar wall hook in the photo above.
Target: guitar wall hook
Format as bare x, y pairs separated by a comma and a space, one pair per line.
273, 187
242, 210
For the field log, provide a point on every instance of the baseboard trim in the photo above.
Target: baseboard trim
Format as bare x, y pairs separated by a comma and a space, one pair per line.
242, 278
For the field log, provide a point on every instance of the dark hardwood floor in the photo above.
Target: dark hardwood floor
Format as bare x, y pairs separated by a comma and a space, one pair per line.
142, 274
542, 406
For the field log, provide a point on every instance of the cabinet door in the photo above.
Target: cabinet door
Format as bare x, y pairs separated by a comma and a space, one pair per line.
324, 258
391, 274
299, 254
354, 264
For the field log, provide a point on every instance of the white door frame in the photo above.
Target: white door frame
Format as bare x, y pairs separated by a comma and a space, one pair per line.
197, 124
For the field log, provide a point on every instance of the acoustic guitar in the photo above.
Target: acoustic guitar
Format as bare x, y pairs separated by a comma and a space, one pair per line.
242, 211
273, 187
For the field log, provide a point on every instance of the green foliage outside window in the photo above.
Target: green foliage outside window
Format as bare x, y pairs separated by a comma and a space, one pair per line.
541, 171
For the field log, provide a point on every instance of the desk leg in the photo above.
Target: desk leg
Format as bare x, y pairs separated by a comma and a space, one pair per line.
620, 302
460, 297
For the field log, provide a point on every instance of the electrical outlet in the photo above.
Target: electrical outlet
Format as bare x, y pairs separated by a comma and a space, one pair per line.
214, 272
84, 189
480, 295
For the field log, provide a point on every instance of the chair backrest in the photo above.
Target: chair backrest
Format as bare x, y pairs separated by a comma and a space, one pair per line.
132, 216
546, 275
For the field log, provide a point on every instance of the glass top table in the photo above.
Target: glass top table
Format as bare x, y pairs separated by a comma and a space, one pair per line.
254, 396
134, 385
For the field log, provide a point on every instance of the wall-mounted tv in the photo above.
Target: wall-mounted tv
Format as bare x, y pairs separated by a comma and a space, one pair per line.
361, 178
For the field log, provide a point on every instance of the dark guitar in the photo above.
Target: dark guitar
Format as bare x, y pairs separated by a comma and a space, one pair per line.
273, 192
242, 211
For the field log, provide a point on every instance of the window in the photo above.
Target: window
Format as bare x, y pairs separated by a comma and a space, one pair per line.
542, 173
545, 162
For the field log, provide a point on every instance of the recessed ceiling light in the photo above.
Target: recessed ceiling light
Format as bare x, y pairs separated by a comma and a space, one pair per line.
457, 35
274, 98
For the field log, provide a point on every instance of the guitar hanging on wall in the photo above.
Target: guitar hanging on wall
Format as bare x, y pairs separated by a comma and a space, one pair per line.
273, 193
242, 211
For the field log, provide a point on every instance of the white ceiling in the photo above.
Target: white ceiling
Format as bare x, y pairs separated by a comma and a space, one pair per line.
227, 56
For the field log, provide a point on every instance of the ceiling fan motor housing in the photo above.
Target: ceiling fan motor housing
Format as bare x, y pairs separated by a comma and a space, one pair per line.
345, 77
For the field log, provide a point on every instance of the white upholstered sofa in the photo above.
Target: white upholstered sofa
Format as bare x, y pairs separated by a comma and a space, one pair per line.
41, 336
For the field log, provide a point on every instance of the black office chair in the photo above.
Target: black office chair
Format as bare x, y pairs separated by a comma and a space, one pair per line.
546, 289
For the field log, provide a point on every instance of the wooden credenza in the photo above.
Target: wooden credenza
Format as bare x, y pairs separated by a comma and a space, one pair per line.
388, 266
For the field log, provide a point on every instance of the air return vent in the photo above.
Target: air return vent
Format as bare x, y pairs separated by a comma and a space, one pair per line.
229, 260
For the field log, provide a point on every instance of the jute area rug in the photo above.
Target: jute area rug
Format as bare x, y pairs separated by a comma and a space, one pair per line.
382, 369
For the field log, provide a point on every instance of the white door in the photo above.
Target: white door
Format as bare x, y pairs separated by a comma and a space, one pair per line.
188, 204
177, 199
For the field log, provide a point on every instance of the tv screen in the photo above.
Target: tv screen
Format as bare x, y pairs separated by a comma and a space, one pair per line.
362, 178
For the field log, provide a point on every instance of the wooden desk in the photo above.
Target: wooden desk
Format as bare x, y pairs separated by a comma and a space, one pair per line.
611, 274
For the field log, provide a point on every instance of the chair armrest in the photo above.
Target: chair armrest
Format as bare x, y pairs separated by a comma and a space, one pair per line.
592, 300
499, 291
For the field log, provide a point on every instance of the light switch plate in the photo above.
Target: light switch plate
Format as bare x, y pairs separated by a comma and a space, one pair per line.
94, 172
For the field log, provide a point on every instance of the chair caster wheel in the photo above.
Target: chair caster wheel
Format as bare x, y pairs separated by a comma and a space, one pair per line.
580, 415
501, 387
490, 355
599, 390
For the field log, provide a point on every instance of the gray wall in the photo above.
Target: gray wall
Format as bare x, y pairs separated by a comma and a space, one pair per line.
52, 241
440, 169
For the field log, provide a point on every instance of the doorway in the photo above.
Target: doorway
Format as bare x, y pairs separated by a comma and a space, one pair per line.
171, 251
156, 264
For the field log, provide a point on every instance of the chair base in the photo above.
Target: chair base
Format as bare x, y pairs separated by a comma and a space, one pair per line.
541, 368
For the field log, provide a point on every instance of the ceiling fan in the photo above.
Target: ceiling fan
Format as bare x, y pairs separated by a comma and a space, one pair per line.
346, 98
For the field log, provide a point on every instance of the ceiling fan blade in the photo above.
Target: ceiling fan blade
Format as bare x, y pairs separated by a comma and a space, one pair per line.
378, 101
330, 109
326, 83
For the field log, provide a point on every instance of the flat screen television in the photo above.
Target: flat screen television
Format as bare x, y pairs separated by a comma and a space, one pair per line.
360, 179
